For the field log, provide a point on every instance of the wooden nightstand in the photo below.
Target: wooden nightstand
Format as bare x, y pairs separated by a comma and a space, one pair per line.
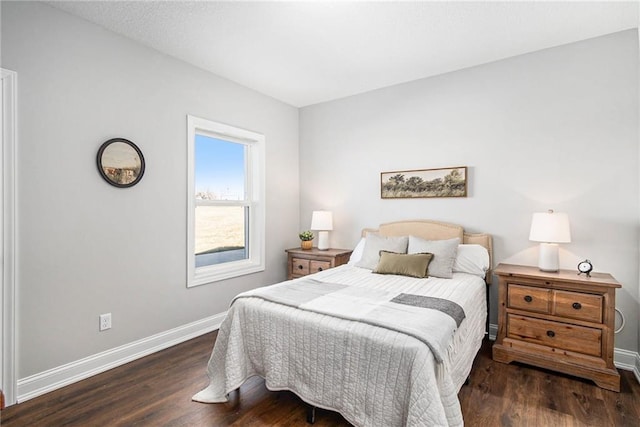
559, 321
302, 262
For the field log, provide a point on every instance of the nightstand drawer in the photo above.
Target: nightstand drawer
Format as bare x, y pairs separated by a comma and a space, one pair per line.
529, 298
555, 334
301, 262
300, 266
316, 266
578, 306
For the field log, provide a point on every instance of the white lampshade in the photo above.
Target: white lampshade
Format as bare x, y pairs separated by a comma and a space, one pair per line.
322, 222
549, 228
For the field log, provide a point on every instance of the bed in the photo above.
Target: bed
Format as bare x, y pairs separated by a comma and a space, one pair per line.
352, 340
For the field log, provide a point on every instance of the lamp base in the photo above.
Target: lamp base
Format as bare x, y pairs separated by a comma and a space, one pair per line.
548, 259
323, 240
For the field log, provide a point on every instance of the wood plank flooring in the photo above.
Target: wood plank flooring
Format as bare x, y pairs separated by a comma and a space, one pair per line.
157, 390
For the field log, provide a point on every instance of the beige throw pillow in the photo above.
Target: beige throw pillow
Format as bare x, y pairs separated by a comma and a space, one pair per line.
412, 265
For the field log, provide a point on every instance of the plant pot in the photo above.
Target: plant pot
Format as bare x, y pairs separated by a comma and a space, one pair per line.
306, 244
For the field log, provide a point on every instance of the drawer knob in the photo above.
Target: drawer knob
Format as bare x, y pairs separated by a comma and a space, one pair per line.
528, 298
300, 267
320, 269
576, 305
551, 334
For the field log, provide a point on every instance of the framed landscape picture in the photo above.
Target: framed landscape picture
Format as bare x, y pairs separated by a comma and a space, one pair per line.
443, 182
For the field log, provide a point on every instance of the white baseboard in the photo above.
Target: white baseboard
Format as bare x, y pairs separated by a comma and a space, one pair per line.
628, 361
52, 379
493, 331
623, 359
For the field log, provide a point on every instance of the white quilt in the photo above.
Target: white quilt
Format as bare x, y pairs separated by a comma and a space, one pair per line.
371, 375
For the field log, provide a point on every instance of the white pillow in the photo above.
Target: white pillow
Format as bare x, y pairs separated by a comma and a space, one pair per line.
374, 244
356, 255
444, 254
472, 259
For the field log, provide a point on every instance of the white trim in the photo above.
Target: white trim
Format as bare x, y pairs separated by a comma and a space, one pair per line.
623, 359
493, 331
8, 252
52, 379
628, 361
254, 199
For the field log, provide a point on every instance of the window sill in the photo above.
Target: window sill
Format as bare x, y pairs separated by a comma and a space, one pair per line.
206, 275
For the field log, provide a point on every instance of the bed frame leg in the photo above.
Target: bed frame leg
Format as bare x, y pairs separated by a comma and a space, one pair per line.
311, 414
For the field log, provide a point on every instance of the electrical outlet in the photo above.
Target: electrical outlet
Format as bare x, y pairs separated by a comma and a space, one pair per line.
105, 321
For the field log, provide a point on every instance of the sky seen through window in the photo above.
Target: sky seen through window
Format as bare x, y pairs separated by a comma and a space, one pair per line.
219, 168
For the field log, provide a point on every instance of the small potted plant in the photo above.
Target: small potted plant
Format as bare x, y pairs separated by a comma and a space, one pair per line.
306, 238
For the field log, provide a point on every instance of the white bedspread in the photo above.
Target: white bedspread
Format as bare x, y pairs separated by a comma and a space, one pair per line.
371, 375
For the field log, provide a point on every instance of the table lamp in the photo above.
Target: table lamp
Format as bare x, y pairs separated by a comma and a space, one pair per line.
322, 222
549, 228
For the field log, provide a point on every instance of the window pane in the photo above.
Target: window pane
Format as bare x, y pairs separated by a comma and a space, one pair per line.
220, 234
219, 169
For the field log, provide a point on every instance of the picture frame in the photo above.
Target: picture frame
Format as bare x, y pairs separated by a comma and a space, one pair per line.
120, 162
424, 183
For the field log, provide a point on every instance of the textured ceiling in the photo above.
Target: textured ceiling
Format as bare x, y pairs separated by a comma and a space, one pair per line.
304, 53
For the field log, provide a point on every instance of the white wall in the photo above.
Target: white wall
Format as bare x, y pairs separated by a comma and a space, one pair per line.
552, 129
86, 247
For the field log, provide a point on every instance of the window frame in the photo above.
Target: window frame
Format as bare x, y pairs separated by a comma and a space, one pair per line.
254, 199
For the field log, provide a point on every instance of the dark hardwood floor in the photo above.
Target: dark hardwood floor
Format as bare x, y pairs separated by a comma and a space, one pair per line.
157, 390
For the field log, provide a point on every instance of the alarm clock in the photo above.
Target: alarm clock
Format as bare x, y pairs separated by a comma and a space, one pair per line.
585, 267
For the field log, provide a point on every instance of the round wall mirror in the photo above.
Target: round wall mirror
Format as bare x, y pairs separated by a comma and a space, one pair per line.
120, 162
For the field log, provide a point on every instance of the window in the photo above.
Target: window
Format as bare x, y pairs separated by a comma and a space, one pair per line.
226, 202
